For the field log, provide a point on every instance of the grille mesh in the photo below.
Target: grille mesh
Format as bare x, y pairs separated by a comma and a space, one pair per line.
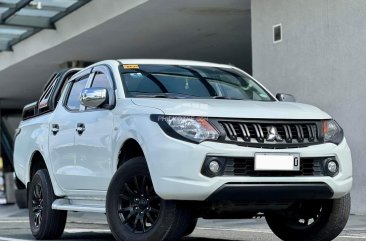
275, 134
245, 167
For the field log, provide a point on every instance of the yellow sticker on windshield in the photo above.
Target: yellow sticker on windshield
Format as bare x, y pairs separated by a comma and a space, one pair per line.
131, 66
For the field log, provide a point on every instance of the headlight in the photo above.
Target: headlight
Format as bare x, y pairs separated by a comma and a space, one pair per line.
332, 132
196, 129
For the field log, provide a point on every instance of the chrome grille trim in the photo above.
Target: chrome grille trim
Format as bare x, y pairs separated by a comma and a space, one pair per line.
255, 133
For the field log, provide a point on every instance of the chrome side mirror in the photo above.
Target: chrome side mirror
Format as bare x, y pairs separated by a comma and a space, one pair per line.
285, 97
93, 97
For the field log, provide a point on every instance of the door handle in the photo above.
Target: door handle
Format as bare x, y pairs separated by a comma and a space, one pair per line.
80, 128
55, 128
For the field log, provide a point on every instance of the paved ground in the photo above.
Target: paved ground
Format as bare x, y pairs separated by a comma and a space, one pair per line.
86, 226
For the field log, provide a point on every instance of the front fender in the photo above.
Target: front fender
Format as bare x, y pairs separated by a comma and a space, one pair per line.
134, 123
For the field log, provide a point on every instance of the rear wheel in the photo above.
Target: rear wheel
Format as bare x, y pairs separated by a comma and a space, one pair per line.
136, 212
45, 222
311, 220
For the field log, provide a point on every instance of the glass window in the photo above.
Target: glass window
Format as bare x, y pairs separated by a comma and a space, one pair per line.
73, 101
44, 99
63, 88
186, 85
173, 81
101, 80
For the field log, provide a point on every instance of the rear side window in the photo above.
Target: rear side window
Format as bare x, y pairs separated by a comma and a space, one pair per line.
64, 84
73, 101
43, 102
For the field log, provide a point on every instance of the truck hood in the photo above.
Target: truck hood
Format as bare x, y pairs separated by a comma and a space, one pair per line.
233, 108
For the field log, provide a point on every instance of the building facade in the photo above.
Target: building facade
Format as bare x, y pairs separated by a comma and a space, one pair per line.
320, 59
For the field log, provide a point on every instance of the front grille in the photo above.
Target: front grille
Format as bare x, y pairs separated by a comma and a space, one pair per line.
269, 134
245, 167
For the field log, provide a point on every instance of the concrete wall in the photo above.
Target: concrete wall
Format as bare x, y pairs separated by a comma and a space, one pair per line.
322, 61
12, 122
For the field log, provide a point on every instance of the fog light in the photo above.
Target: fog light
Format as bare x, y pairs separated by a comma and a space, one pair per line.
214, 167
332, 167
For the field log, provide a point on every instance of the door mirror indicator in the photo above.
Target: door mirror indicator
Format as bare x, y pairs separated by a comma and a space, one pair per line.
93, 97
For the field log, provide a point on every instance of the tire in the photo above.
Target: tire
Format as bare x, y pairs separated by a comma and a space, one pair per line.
191, 227
136, 213
45, 222
21, 198
311, 220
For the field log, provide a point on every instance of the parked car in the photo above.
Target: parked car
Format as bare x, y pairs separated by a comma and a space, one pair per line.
156, 144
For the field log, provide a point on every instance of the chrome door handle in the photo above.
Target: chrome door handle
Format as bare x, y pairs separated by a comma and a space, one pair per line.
80, 128
55, 128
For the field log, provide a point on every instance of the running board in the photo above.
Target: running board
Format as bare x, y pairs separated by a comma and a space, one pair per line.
65, 204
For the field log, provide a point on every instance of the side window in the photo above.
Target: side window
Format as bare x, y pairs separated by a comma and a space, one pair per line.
65, 81
73, 100
43, 102
101, 80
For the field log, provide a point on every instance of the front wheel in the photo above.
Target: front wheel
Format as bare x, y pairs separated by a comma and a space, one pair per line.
136, 213
311, 220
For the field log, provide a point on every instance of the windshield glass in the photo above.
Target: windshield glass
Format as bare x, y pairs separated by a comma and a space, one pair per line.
175, 81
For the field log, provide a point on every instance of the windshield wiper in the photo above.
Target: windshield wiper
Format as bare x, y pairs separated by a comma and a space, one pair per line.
225, 98
154, 96
171, 95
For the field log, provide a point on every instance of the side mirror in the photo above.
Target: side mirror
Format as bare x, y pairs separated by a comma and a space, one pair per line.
93, 97
285, 97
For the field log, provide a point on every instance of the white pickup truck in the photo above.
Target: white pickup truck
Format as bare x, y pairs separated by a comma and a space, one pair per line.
156, 144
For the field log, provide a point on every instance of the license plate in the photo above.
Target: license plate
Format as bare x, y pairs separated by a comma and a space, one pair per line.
277, 162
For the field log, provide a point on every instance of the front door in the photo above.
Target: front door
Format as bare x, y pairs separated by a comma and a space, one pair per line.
93, 141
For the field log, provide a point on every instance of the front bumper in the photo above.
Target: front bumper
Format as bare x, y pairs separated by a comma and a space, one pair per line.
260, 192
175, 168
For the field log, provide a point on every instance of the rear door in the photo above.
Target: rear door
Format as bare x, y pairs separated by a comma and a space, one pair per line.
62, 134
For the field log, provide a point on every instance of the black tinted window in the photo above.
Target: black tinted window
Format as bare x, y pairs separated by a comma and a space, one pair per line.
73, 102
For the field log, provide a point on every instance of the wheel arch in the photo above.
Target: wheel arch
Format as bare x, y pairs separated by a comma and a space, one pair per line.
37, 162
129, 149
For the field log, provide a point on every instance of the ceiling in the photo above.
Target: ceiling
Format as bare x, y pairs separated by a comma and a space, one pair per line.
208, 30
20, 19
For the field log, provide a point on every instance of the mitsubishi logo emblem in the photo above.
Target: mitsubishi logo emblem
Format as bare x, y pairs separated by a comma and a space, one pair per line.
273, 134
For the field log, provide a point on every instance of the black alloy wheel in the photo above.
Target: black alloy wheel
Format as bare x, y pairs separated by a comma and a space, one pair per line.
136, 213
45, 223
311, 220
37, 205
139, 205
305, 215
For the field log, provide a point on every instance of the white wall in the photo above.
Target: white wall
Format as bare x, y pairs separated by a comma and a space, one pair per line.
322, 61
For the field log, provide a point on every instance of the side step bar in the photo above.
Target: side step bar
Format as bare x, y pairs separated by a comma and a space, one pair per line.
65, 204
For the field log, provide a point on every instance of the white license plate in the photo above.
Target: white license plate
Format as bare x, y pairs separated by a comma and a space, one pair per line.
277, 162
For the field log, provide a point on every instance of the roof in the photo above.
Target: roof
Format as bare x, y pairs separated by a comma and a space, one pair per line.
172, 62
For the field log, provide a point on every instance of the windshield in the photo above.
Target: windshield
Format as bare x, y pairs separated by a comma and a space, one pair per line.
175, 81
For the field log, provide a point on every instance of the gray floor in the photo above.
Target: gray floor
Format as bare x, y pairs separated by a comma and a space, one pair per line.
87, 226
